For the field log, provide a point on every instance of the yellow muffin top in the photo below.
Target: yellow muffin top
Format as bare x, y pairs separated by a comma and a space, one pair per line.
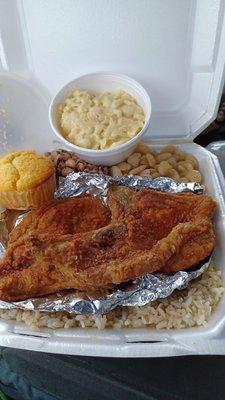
24, 170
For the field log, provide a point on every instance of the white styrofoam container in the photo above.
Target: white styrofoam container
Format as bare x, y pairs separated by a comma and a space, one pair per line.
176, 50
102, 82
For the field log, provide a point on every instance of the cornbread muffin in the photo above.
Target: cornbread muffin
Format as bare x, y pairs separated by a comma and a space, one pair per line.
27, 180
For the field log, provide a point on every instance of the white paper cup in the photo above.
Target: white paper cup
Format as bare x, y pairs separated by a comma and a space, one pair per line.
101, 82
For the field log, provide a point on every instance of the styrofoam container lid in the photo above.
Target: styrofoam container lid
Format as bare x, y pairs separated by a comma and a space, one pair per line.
175, 49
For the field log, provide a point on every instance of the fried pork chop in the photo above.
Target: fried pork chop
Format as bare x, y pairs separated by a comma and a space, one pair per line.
62, 217
147, 231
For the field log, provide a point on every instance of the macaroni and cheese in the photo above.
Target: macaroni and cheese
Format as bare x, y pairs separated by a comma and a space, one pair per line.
100, 121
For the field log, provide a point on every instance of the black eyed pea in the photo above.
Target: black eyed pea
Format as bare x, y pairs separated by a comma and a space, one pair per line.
66, 171
70, 163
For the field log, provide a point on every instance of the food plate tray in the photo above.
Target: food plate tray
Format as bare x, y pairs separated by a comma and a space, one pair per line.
181, 64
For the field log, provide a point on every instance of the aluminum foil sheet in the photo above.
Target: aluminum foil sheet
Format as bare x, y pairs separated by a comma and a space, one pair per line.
79, 183
136, 293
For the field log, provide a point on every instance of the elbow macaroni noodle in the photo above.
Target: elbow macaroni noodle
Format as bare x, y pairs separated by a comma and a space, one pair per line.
100, 121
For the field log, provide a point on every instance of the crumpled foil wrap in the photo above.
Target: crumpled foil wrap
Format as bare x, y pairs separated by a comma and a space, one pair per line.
136, 293
79, 183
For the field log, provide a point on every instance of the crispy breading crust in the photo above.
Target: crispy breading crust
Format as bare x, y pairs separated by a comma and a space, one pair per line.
148, 231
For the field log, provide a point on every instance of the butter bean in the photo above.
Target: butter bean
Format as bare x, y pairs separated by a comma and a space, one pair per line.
134, 159
172, 161
181, 169
137, 170
163, 156
143, 160
172, 173
183, 179
151, 160
187, 165
163, 168
115, 171
169, 149
124, 166
146, 172
193, 160
155, 175
143, 149
194, 176
180, 156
